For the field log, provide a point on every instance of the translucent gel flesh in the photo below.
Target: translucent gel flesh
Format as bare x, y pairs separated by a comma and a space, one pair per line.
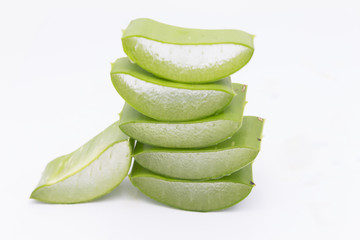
198, 196
95, 180
190, 56
175, 135
168, 103
196, 165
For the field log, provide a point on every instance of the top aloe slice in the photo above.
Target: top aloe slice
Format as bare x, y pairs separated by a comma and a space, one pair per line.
189, 134
194, 195
91, 171
186, 55
165, 100
205, 163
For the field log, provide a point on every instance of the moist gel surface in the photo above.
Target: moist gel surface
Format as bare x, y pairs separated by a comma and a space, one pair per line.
165, 100
184, 54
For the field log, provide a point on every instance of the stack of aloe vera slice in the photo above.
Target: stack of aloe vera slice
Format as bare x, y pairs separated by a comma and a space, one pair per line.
194, 149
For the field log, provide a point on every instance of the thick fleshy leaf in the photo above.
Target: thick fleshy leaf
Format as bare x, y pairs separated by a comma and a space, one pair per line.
205, 163
188, 134
195, 195
186, 55
91, 171
165, 100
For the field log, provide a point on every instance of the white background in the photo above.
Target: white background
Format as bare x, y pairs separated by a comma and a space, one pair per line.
56, 94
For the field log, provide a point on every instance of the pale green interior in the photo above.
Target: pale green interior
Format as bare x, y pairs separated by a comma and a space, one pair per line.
181, 135
204, 163
169, 103
125, 66
69, 164
163, 59
95, 180
194, 195
89, 172
196, 165
187, 134
186, 55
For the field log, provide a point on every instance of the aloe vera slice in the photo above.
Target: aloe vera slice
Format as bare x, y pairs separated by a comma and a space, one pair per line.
190, 134
205, 163
186, 55
91, 171
195, 195
165, 100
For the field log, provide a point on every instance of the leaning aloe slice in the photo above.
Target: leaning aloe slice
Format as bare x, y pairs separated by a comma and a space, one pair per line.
186, 55
190, 134
205, 163
165, 100
91, 171
194, 195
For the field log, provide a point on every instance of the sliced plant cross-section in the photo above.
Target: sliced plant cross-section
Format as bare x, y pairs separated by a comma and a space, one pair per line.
184, 54
195, 195
166, 100
188, 134
205, 163
91, 171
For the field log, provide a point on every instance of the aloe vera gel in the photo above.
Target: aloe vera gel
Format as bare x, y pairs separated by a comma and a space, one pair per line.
182, 126
169, 101
186, 134
89, 172
185, 156
184, 54
205, 163
195, 195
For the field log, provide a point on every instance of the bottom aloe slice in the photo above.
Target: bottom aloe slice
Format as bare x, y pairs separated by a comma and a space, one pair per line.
91, 171
205, 163
188, 134
195, 195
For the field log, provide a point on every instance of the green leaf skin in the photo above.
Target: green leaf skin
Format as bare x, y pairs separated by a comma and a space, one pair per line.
89, 172
190, 134
194, 195
159, 48
168, 101
205, 163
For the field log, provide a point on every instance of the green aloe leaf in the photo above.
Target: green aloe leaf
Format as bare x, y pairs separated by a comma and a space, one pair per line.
190, 134
91, 171
205, 163
165, 100
195, 195
186, 55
